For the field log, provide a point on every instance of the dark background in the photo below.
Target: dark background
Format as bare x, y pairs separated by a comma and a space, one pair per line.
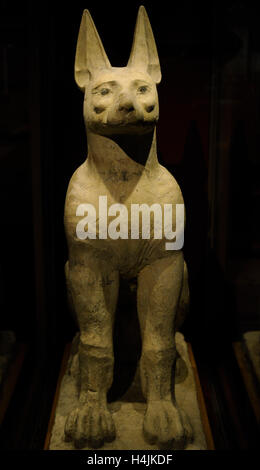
208, 137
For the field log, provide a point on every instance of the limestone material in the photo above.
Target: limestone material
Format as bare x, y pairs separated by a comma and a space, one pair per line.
128, 412
121, 111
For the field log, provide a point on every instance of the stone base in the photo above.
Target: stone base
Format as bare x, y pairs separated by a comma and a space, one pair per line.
247, 354
129, 411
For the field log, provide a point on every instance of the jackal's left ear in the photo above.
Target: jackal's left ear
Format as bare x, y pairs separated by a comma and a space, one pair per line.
144, 52
90, 53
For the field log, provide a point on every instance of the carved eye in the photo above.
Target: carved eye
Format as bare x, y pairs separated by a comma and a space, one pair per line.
142, 89
104, 91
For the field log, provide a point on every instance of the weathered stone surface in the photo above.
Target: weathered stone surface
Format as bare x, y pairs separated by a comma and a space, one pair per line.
120, 111
128, 412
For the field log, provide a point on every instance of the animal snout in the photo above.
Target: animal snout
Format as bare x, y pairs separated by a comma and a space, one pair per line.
127, 108
126, 104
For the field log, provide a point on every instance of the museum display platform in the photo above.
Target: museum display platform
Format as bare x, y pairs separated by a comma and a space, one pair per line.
129, 432
247, 353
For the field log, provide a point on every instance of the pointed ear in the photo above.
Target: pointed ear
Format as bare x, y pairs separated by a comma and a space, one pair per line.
90, 53
144, 52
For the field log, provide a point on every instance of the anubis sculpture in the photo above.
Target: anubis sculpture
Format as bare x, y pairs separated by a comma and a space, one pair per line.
120, 112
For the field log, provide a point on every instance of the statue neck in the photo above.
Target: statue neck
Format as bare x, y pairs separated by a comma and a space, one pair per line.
129, 151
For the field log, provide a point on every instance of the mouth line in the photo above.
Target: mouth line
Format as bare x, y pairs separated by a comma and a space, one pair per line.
137, 126
135, 122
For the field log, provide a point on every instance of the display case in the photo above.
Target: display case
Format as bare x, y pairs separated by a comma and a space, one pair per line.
208, 138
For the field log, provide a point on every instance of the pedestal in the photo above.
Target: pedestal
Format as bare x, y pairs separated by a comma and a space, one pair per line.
128, 412
247, 353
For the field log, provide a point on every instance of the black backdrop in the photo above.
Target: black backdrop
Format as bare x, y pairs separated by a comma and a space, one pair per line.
43, 141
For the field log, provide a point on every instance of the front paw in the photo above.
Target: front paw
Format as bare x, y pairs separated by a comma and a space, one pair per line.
90, 424
166, 425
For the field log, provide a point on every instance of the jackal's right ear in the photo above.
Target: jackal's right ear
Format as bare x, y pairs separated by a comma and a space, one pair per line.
90, 53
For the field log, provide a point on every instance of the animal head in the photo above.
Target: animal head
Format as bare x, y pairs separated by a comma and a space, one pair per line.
118, 99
